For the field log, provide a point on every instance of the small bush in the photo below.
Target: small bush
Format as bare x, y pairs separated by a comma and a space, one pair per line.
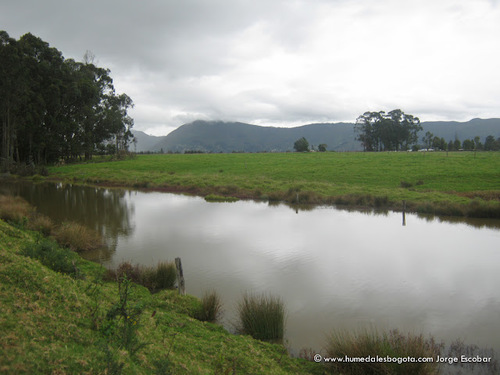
163, 276
53, 257
392, 344
123, 319
211, 307
262, 317
77, 237
125, 270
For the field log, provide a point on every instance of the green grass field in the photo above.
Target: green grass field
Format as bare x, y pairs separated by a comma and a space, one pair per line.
455, 183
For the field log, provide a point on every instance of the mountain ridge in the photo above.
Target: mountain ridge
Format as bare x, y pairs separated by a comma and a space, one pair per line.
221, 136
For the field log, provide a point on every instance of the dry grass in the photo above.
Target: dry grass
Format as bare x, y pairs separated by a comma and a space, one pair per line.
77, 237
41, 223
17, 211
14, 209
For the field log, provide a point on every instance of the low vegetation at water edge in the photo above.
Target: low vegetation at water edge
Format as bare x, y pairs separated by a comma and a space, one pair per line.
454, 183
262, 317
161, 277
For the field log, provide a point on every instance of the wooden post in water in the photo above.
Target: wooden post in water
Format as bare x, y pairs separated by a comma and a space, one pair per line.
404, 213
180, 276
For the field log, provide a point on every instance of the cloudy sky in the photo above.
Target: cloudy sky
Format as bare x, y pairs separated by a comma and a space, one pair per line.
280, 62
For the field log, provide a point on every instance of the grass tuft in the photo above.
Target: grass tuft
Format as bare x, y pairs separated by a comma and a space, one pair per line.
211, 307
77, 237
262, 317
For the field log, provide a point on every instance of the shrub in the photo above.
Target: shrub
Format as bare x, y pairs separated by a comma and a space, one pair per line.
262, 317
392, 345
53, 257
125, 270
163, 276
123, 319
211, 307
77, 237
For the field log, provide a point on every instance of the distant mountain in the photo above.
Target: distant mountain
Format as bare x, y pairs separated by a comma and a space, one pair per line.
449, 130
218, 136
144, 142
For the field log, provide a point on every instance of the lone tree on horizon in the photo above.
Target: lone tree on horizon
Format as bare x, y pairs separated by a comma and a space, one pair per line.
394, 131
301, 145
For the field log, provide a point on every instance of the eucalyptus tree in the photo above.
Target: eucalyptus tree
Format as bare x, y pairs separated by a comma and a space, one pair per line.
301, 145
52, 108
378, 131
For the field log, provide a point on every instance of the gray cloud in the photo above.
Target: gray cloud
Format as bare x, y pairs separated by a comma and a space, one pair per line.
280, 62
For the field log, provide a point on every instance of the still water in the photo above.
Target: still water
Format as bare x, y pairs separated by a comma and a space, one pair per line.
334, 269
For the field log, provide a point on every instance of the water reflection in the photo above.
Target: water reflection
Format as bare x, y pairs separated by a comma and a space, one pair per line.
333, 268
104, 210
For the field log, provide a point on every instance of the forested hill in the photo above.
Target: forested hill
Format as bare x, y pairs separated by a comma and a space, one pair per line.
218, 136
451, 130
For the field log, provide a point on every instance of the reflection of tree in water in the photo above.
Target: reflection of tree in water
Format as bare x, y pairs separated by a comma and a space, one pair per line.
104, 210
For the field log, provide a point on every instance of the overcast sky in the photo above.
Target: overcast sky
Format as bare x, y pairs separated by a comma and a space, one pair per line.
281, 63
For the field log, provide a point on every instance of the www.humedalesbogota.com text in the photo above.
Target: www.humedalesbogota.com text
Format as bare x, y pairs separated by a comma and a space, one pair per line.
401, 360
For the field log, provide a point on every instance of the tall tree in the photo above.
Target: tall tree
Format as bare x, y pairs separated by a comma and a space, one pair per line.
52, 108
301, 145
378, 131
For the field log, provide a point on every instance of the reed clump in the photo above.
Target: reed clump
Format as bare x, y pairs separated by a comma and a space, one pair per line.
262, 317
393, 347
77, 237
211, 307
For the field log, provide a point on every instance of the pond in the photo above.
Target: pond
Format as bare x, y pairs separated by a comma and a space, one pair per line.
334, 269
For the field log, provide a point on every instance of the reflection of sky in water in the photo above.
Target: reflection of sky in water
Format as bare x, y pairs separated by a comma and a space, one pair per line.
334, 269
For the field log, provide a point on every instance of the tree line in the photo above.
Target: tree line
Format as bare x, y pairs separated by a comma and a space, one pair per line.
395, 131
54, 109
432, 142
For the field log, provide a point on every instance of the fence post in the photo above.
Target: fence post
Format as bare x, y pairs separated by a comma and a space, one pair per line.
404, 213
180, 276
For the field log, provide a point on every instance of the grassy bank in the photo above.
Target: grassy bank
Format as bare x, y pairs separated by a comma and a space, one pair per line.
455, 183
62, 323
